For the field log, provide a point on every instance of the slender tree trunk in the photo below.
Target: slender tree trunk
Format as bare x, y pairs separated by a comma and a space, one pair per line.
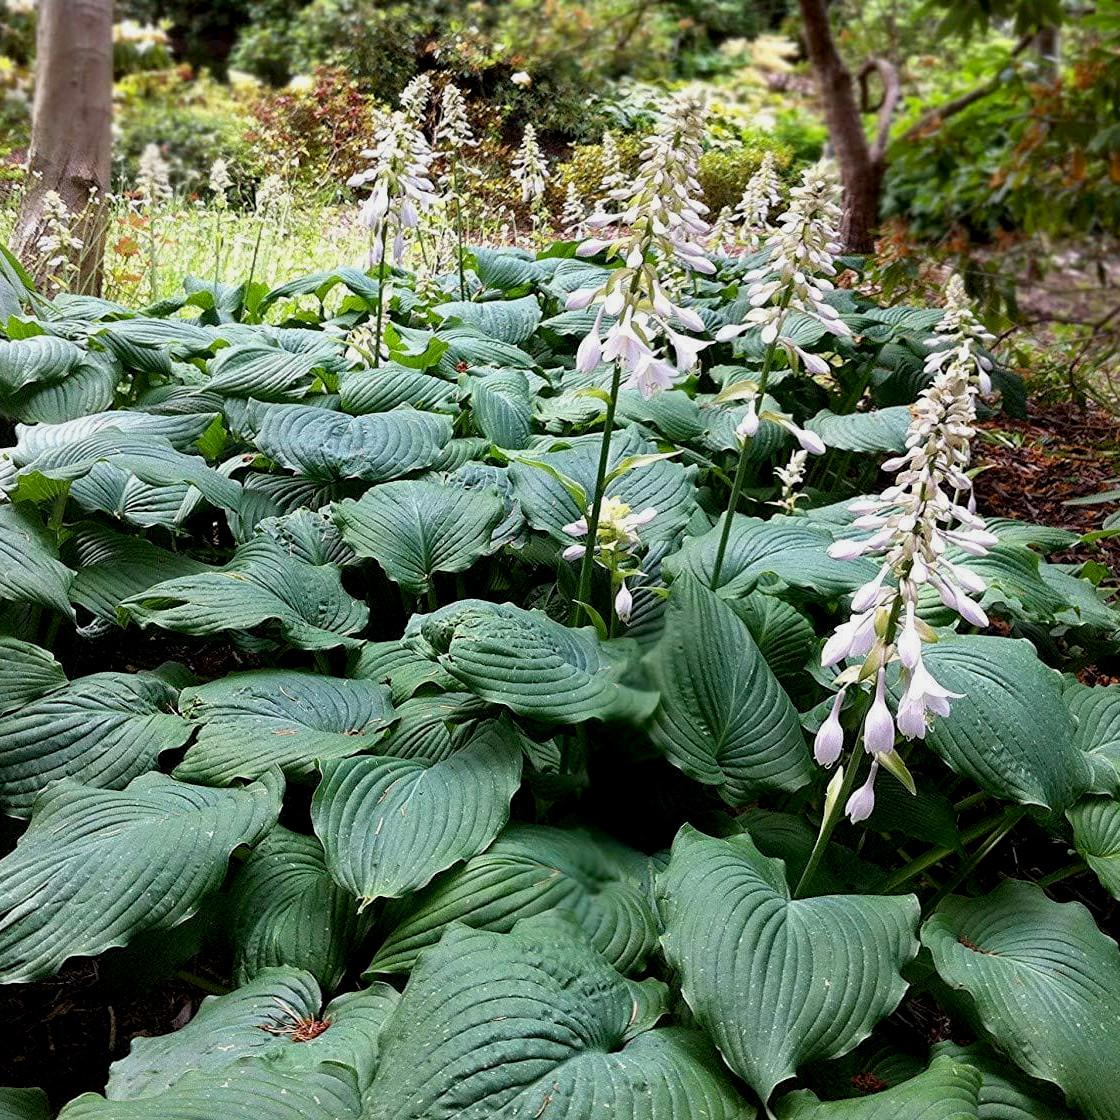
71, 131
862, 162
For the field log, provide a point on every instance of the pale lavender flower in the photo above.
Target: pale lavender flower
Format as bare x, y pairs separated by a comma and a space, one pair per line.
829, 740
862, 803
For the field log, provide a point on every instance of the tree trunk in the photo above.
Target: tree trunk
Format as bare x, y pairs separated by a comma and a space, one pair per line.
71, 132
861, 164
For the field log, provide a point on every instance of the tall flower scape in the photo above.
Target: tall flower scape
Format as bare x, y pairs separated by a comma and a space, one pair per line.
914, 524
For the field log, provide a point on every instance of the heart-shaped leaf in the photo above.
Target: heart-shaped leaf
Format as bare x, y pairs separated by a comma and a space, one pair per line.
416, 528
326, 446
526, 662
388, 825
102, 730
251, 722
1045, 984
30, 571
277, 1016
1096, 835
96, 867
26, 673
285, 909
777, 982
531, 1019
723, 718
528, 870
503, 407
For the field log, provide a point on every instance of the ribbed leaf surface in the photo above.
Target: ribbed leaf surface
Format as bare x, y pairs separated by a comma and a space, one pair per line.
260, 587
948, 1090
416, 528
723, 718
1006, 1093
526, 662
528, 870
96, 867
1096, 835
257, 1021
27, 361
326, 446
102, 730
279, 717
777, 982
26, 672
388, 825
884, 429
30, 571
246, 1090
503, 407
535, 1023
287, 910
1045, 983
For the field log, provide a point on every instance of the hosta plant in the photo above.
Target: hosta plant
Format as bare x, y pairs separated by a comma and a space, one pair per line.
290, 676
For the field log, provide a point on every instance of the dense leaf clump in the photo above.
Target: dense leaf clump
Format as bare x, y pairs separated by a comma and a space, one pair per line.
295, 677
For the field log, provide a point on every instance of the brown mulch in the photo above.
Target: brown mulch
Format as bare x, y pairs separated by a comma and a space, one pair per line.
1033, 467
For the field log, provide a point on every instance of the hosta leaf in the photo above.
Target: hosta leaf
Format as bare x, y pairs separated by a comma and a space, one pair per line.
150, 458
30, 571
96, 867
112, 490
28, 361
794, 549
268, 373
403, 669
777, 982
526, 662
883, 429
1005, 1092
1096, 836
89, 387
528, 870
102, 730
948, 1090
389, 386
253, 721
467, 348
245, 1089
260, 586
783, 634
326, 446
1010, 731
1045, 984
503, 407
285, 909
723, 718
24, 1104
505, 269
510, 320
309, 536
532, 1023
1096, 712
388, 825
256, 1021
416, 528
182, 431
111, 566
26, 673
663, 485
432, 728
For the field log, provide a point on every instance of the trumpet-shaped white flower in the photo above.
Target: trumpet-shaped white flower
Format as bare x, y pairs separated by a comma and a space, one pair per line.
220, 184
912, 525
795, 277
454, 130
613, 177
414, 99
617, 543
964, 333
58, 243
153, 178
530, 168
722, 229
665, 227
573, 215
761, 195
400, 185
791, 476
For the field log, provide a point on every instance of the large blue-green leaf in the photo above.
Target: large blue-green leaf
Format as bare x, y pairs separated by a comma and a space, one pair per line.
774, 981
1044, 983
30, 571
723, 717
96, 867
533, 1022
528, 663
